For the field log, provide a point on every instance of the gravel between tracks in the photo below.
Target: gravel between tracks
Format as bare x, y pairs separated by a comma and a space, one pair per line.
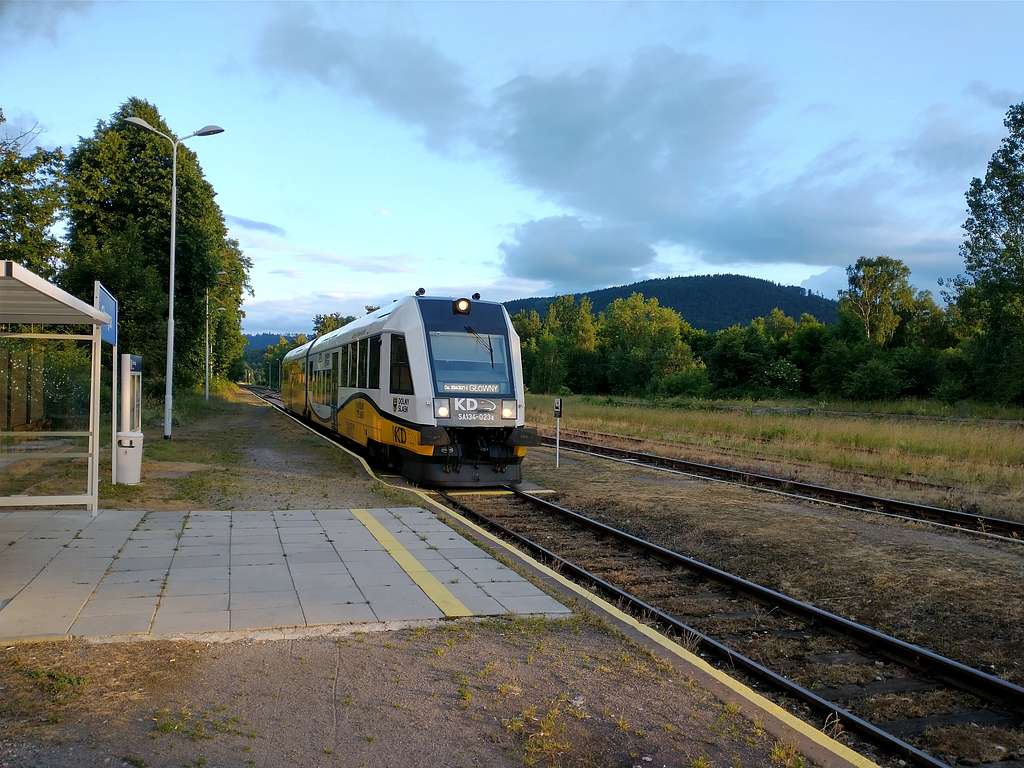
957, 595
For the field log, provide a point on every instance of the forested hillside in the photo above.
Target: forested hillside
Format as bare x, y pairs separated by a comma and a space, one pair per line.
709, 302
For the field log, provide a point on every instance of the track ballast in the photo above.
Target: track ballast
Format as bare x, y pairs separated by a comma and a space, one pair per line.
968, 521
782, 643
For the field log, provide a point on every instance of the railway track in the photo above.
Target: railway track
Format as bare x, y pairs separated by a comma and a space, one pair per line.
908, 510
918, 706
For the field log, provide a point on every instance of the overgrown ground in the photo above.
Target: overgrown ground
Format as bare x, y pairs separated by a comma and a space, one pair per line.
965, 464
956, 594
496, 693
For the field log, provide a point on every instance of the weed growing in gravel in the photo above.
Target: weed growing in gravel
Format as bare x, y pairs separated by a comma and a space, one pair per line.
198, 726
545, 739
56, 684
786, 756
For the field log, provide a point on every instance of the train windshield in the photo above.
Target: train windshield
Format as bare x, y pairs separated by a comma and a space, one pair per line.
470, 362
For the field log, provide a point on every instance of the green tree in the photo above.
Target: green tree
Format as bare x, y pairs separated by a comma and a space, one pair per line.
31, 198
548, 373
118, 193
574, 328
879, 289
326, 323
990, 296
527, 324
641, 343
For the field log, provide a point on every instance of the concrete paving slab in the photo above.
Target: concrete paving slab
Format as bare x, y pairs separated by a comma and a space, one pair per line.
265, 618
194, 603
141, 563
119, 606
241, 601
339, 613
126, 624
190, 623
328, 596
188, 588
130, 573
128, 589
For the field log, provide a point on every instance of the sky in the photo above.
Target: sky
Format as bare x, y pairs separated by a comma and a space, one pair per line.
538, 148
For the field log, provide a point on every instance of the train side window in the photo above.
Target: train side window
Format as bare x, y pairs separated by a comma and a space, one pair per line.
373, 377
343, 380
364, 354
401, 373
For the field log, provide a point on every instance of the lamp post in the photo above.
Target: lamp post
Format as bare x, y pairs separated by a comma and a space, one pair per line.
206, 346
208, 130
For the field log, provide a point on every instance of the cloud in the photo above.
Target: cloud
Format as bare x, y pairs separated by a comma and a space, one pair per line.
568, 254
827, 283
997, 98
402, 76
397, 263
20, 19
945, 146
290, 273
642, 146
254, 225
666, 148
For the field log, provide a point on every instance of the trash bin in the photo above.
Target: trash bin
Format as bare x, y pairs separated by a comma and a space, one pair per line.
129, 457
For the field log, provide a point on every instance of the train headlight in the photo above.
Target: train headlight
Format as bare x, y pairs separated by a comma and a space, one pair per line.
442, 408
508, 409
461, 306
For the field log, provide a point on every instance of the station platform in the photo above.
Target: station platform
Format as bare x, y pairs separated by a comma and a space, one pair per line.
184, 574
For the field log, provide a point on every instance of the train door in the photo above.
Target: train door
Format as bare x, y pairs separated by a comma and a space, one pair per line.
335, 390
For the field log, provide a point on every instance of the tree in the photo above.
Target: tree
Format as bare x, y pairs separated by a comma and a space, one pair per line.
118, 193
641, 343
990, 296
879, 290
31, 198
326, 323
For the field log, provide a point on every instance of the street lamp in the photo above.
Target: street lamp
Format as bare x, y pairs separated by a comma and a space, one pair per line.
206, 367
208, 130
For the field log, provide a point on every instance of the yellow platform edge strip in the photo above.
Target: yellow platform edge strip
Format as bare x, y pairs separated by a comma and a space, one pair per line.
439, 594
826, 743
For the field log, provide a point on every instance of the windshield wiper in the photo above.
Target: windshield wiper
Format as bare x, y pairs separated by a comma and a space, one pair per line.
485, 343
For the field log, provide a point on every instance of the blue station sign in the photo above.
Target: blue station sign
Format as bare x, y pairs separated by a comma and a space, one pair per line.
106, 302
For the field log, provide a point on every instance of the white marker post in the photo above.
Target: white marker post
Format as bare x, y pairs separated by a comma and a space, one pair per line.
558, 429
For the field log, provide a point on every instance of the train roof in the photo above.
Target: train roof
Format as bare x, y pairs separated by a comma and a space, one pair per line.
365, 323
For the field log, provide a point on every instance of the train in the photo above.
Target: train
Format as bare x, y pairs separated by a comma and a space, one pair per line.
433, 386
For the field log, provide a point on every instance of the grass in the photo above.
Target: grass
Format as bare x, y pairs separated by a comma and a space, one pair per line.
56, 684
986, 456
198, 726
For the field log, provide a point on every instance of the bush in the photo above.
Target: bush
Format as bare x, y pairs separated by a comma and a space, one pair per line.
690, 382
780, 378
873, 380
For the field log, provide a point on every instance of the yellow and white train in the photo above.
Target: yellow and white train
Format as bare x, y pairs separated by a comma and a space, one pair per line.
433, 385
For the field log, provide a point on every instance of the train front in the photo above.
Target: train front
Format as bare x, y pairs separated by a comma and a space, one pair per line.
479, 403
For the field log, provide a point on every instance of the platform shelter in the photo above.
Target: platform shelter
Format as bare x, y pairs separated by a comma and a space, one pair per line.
49, 392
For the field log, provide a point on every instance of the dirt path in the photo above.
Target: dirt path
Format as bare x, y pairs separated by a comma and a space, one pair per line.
240, 454
959, 595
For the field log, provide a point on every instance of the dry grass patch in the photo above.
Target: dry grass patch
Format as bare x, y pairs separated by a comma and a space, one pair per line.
973, 458
47, 683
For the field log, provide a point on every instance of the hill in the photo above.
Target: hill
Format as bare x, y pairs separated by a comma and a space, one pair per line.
255, 343
711, 302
